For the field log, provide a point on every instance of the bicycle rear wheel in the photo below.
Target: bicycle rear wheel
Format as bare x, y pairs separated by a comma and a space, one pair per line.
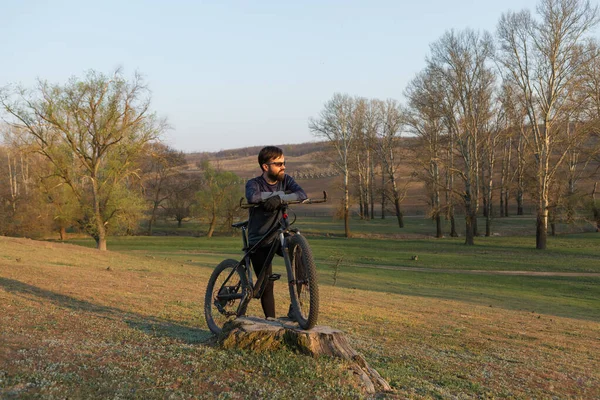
304, 290
225, 296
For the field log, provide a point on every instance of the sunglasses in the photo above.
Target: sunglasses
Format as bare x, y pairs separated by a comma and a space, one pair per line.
277, 164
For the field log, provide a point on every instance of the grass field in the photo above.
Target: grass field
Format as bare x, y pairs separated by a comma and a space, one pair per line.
496, 320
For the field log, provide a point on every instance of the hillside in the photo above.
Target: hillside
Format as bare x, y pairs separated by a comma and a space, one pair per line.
79, 323
310, 164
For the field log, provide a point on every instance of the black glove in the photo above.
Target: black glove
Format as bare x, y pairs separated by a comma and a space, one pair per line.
272, 203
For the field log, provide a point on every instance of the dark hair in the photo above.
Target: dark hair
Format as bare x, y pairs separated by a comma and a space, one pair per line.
267, 154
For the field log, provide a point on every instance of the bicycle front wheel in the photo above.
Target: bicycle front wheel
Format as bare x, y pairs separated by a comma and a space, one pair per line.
304, 291
225, 296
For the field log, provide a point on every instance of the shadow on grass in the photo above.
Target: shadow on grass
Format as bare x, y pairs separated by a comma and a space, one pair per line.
151, 325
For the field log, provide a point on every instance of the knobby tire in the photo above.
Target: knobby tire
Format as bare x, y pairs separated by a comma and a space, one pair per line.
237, 284
304, 290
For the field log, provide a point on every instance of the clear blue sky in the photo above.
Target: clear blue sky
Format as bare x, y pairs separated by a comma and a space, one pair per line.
231, 74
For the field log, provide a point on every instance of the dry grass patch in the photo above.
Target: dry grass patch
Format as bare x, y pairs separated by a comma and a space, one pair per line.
85, 324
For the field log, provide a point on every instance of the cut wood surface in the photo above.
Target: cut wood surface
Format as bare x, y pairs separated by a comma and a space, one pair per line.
257, 334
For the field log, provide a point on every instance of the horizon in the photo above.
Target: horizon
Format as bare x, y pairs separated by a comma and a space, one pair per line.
230, 75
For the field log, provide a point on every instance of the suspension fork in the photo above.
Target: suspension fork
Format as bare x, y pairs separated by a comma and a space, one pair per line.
287, 259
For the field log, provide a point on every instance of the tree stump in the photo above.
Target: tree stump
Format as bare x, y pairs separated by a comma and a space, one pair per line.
257, 334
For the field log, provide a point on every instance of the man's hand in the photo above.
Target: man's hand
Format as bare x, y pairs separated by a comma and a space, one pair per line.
272, 203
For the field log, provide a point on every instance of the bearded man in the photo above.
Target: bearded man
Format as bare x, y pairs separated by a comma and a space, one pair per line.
267, 191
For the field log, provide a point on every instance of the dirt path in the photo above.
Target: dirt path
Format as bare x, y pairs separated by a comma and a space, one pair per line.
478, 271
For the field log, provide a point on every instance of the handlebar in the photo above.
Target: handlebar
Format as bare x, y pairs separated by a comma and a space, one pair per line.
305, 201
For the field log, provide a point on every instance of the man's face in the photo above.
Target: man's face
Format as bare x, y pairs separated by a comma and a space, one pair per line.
275, 169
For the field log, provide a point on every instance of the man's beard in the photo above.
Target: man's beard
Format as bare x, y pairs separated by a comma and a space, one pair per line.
276, 177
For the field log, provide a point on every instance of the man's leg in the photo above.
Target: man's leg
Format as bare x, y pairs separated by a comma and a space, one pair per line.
268, 299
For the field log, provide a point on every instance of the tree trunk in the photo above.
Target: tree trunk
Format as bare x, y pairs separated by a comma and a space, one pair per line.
63, 233
372, 190
470, 220
399, 214
438, 225
361, 207
100, 229
501, 202
541, 229
382, 195
346, 206
485, 206
469, 232
152, 218
595, 208
213, 224
256, 334
179, 222
453, 232
519, 202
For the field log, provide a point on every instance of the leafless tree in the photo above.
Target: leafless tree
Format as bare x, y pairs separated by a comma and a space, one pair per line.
493, 132
182, 188
159, 165
543, 59
424, 118
335, 124
461, 59
388, 146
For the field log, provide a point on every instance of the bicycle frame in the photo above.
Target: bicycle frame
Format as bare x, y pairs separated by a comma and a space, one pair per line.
282, 225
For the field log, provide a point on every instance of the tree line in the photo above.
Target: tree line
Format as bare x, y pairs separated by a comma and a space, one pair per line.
88, 154
518, 113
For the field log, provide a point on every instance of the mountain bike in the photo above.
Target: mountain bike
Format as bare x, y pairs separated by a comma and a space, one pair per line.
231, 285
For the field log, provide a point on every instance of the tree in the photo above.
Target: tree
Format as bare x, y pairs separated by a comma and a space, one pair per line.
365, 123
335, 124
90, 130
461, 61
425, 118
159, 167
494, 131
182, 188
219, 197
388, 142
543, 59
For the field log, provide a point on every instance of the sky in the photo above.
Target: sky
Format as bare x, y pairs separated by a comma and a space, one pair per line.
231, 74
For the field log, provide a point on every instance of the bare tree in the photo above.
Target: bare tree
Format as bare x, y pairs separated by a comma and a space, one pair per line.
360, 158
543, 59
335, 124
462, 62
90, 130
159, 165
365, 122
387, 150
182, 188
493, 132
425, 118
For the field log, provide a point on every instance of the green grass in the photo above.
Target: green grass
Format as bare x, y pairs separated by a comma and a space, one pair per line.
445, 268
434, 328
418, 226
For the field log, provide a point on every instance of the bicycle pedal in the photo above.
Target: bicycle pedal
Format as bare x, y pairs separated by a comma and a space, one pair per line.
274, 277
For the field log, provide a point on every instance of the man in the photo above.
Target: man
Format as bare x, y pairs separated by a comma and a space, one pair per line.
267, 190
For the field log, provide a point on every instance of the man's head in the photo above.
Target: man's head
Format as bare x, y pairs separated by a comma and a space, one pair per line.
272, 163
